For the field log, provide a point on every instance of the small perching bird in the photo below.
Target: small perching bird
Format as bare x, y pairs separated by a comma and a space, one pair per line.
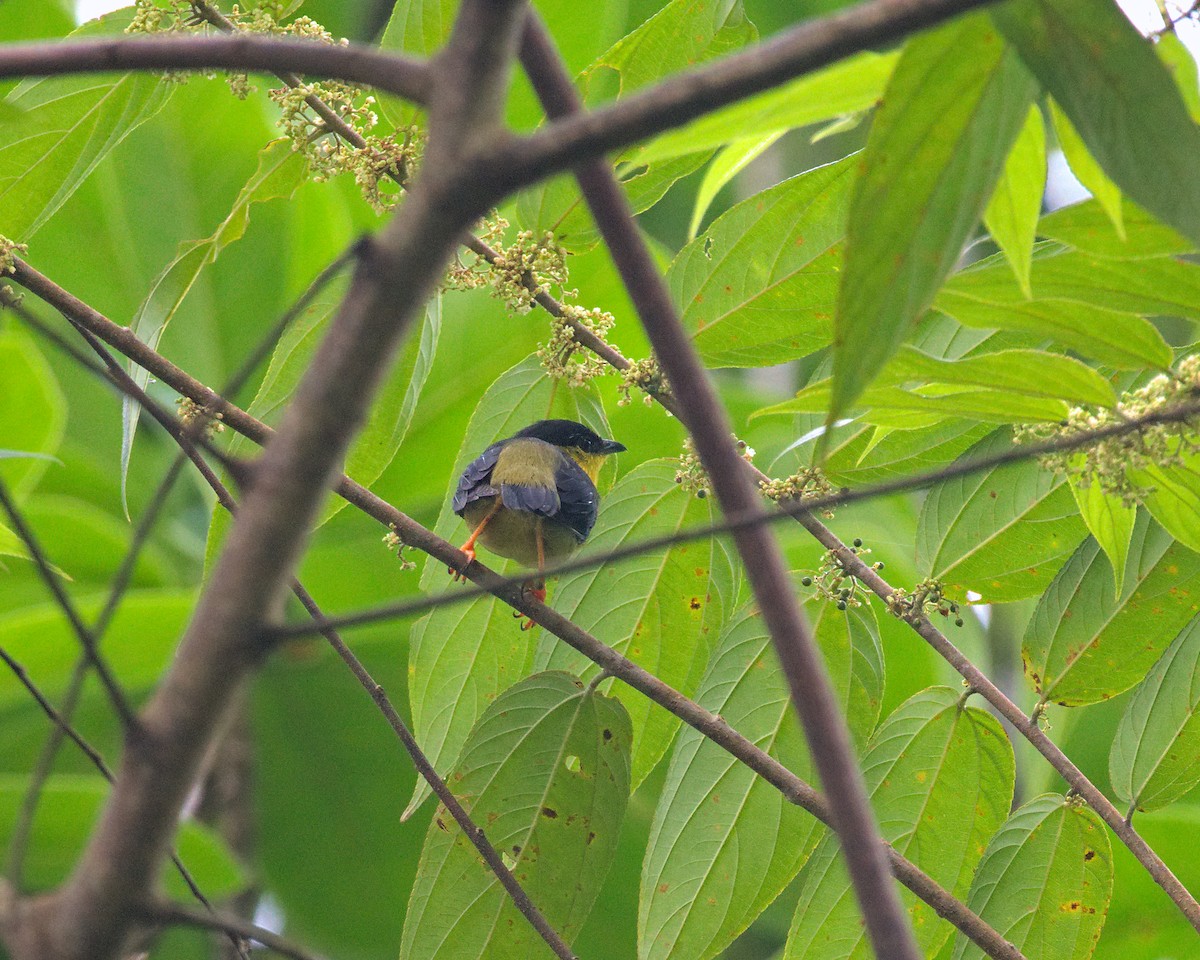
532, 497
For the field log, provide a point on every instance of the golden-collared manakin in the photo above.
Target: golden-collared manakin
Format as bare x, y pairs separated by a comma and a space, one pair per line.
532, 497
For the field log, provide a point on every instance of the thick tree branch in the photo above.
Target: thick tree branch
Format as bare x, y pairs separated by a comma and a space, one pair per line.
571, 140
825, 729
510, 591
402, 76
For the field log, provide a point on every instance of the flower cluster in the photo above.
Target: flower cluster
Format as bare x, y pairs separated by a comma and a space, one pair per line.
645, 375
8, 254
192, 413
835, 583
563, 356
1108, 461
392, 541
809, 484
691, 474
926, 598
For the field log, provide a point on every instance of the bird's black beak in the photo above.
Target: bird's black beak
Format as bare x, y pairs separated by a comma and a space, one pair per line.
611, 446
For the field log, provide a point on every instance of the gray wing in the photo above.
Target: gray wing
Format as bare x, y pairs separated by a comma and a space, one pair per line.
577, 497
476, 481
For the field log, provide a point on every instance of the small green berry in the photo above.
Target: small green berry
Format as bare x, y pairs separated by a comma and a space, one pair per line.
806, 581
841, 604
858, 541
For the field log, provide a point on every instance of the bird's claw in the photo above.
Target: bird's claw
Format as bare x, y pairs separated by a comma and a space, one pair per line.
538, 593
457, 574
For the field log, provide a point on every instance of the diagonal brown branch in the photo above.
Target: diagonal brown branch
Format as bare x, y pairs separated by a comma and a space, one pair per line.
707, 723
888, 926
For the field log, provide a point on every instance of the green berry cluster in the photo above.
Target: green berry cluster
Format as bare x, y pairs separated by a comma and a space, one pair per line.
1109, 461
833, 582
926, 598
8, 254
563, 356
191, 413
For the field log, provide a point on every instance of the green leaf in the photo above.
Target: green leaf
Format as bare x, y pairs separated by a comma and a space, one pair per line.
1012, 213
847, 87
66, 126
1083, 644
1045, 881
662, 609
69, 806
760, 286
725, 842
1179, 61
547, 771
1086, 227
1155, 756
871, 457
952, 110
941, 782
33, 412
11, 545
1001, 533
727, 164
464, 654
1171, 493
1110, 522
281, 170
1119, 97
1087, 171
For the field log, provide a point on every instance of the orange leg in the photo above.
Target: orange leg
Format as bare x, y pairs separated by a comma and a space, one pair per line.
536, 588
469, 547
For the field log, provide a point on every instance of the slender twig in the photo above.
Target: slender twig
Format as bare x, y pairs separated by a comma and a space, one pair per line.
711, 726
887, 922
87, 639
176, 914
399, 75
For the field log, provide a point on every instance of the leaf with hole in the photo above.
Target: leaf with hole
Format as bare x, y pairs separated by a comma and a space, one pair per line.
546, 773
1045, 882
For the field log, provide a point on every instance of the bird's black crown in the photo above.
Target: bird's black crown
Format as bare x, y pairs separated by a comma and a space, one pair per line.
568, 433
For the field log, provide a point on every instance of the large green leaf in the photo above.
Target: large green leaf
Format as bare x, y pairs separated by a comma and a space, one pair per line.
1118, 95
941, 781
33, 411
1083, 644
546, 772
1045, 881
724, 841
760, 285
847, 87
281, 170
1012, 213
1086, 227
952, 110
463, 655
1172, 495
662, 609
62, 127
727, 164
1155, 756
875, 455
1003, 532
67, 809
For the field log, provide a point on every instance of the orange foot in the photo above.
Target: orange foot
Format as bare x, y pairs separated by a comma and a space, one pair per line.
538, 593
457, 575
